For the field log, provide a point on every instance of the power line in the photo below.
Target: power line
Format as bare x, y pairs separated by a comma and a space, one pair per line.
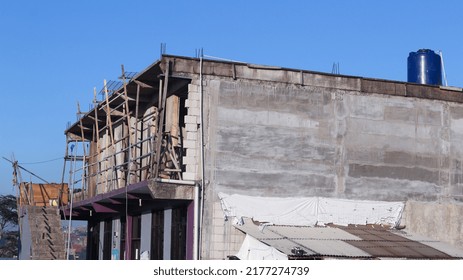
45, 161
15, 164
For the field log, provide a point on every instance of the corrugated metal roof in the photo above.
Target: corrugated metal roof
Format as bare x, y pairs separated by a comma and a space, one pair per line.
286, 246
346, 242
392, 249
257, 231
443, 247
319, 233
381, 242
334, 248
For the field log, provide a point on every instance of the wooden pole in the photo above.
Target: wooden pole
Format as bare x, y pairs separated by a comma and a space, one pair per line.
108, 114
109, 126
97, 128
136, 131
162, 112
84, 149
129, 128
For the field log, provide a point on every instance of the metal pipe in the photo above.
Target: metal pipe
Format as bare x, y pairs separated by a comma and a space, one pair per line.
443, 67
196, 223
173, 181
199, 187
71, 192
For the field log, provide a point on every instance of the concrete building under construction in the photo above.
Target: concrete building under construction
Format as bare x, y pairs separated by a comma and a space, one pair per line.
189, 157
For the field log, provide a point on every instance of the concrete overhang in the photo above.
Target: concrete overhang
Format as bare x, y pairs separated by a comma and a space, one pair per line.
135, 198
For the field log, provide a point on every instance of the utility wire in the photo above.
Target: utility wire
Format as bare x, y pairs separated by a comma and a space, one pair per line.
38, 162
19, 166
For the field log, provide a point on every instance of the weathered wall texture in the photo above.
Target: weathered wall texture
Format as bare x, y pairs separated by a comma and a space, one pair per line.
441, 221
277, 139
280, 139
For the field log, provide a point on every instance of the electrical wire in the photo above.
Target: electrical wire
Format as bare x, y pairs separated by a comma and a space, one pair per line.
38, 162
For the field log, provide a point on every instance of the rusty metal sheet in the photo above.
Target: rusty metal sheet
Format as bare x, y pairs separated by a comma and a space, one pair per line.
346, 242
407, 249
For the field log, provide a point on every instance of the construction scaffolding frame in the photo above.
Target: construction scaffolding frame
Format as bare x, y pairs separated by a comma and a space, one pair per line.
126, 144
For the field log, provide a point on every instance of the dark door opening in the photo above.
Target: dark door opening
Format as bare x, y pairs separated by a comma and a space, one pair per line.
107, 239
136, 238
178, 246
157, 235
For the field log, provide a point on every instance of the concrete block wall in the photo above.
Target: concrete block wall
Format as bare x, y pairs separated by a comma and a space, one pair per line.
47, 237
223, 238
192, 141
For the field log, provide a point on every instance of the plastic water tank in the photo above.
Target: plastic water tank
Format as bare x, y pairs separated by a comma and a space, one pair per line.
424, 67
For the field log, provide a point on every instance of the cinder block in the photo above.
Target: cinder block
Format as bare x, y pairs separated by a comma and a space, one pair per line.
197, 82
192, 87
191, 104
191, 119
189, 144
192, 135
193, 111
220, 246
218, 228
189, 176
192, 152
218, 238
193, 168
216, 255
217, 206
191, 127
194, 95
190, 160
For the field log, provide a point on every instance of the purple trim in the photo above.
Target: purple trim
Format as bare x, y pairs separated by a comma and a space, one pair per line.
102, 209
115, 201
114, 197
190, 230
113, 194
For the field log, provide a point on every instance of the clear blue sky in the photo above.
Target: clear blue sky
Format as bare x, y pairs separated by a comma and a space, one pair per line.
53, 53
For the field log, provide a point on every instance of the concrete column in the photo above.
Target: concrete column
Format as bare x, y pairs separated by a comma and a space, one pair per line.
116, 239
167, 233
26, 237
128, 238
101, 241
145, 242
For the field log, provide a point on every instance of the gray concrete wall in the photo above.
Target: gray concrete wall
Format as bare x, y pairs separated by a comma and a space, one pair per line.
280, 139
440, 221
26, 236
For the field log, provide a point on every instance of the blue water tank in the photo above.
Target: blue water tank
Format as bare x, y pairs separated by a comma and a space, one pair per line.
424, 67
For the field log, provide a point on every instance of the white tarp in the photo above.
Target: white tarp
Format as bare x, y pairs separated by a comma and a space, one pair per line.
253, 249
311, 211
